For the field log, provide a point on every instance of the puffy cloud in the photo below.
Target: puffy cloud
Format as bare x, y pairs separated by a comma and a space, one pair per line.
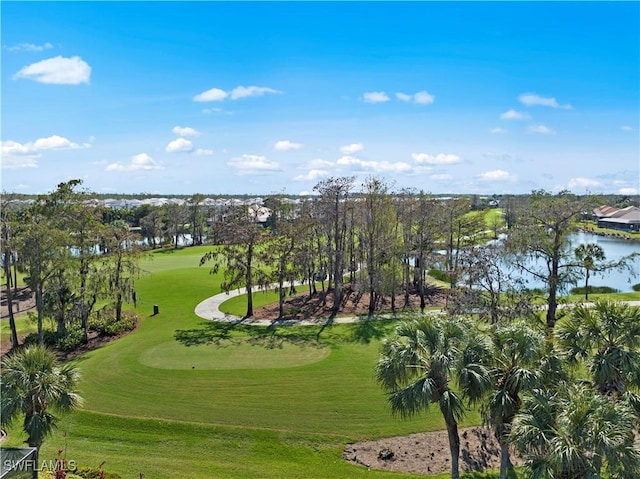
57, 70
582, 183
312, 175
626, 128
12, 148
422, 97
514, 115
541, 129
286, 145
185, 131
141, 161
351, 148
252, 164
246, 91
203, 152
29, 47
532, 99
497, 130
439, 159
179, 144
375, 97
495, 175
375, 166
627, 191
216, 94
319, 164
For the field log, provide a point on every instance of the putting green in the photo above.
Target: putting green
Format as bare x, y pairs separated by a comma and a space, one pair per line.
233, 354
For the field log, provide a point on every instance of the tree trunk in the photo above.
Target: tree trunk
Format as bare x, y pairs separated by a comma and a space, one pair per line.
505, 459
454, 448
39, 307
586, 286
12, 321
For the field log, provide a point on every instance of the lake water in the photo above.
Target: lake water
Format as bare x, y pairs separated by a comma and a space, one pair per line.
614, 249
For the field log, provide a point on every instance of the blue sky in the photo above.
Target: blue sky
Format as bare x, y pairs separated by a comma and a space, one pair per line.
260, 98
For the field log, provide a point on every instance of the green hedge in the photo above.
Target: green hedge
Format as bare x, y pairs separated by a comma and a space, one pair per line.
105, 324
595, 290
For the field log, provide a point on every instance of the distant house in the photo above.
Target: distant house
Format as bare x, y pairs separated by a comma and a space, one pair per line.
623, 219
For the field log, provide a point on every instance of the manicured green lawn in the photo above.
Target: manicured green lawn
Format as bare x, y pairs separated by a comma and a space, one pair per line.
260, 402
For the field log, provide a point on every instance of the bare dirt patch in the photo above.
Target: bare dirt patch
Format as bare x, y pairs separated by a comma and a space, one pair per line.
301, 305
428, 453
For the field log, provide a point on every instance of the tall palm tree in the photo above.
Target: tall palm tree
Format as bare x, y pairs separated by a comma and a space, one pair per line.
34, 386
420, 361
607, 337
588, 255
517, 350
571, 433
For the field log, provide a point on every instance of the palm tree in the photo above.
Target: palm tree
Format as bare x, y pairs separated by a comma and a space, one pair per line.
571, 433
607, 337
33, 385
418, 364
517, 350
588, 254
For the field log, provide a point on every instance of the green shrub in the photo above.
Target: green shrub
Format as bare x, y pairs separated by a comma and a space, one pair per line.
636, 287
49, 338
105, 324
72, 340
595, 290
96, 473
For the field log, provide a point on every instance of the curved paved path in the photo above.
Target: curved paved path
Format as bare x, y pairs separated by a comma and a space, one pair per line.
210, 309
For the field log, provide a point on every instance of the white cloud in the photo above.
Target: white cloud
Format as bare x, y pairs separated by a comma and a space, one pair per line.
423, 98
495, 175
441, 177
542, 129
312, 175
138, 162
203, 152
29, 47
582, 183
13, 162
532, 99
58, 70
351, 148
32, 149
286, 145
514, 115
185, 131
626, 128
252, 164
55, 142
627, 191
439, 159
214, 94
375, 166
497, 130
319, 164
179, 144
246, 91
375, 97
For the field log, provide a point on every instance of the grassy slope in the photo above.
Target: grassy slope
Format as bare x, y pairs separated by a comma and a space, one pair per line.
281, 422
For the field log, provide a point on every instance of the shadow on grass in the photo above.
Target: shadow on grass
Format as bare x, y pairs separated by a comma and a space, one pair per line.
368, 330
271, 337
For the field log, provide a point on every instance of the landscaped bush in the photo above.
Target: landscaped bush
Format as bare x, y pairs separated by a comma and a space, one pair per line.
595, 290
72, 340
636, 287
95, 473
105, 324
49, 338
